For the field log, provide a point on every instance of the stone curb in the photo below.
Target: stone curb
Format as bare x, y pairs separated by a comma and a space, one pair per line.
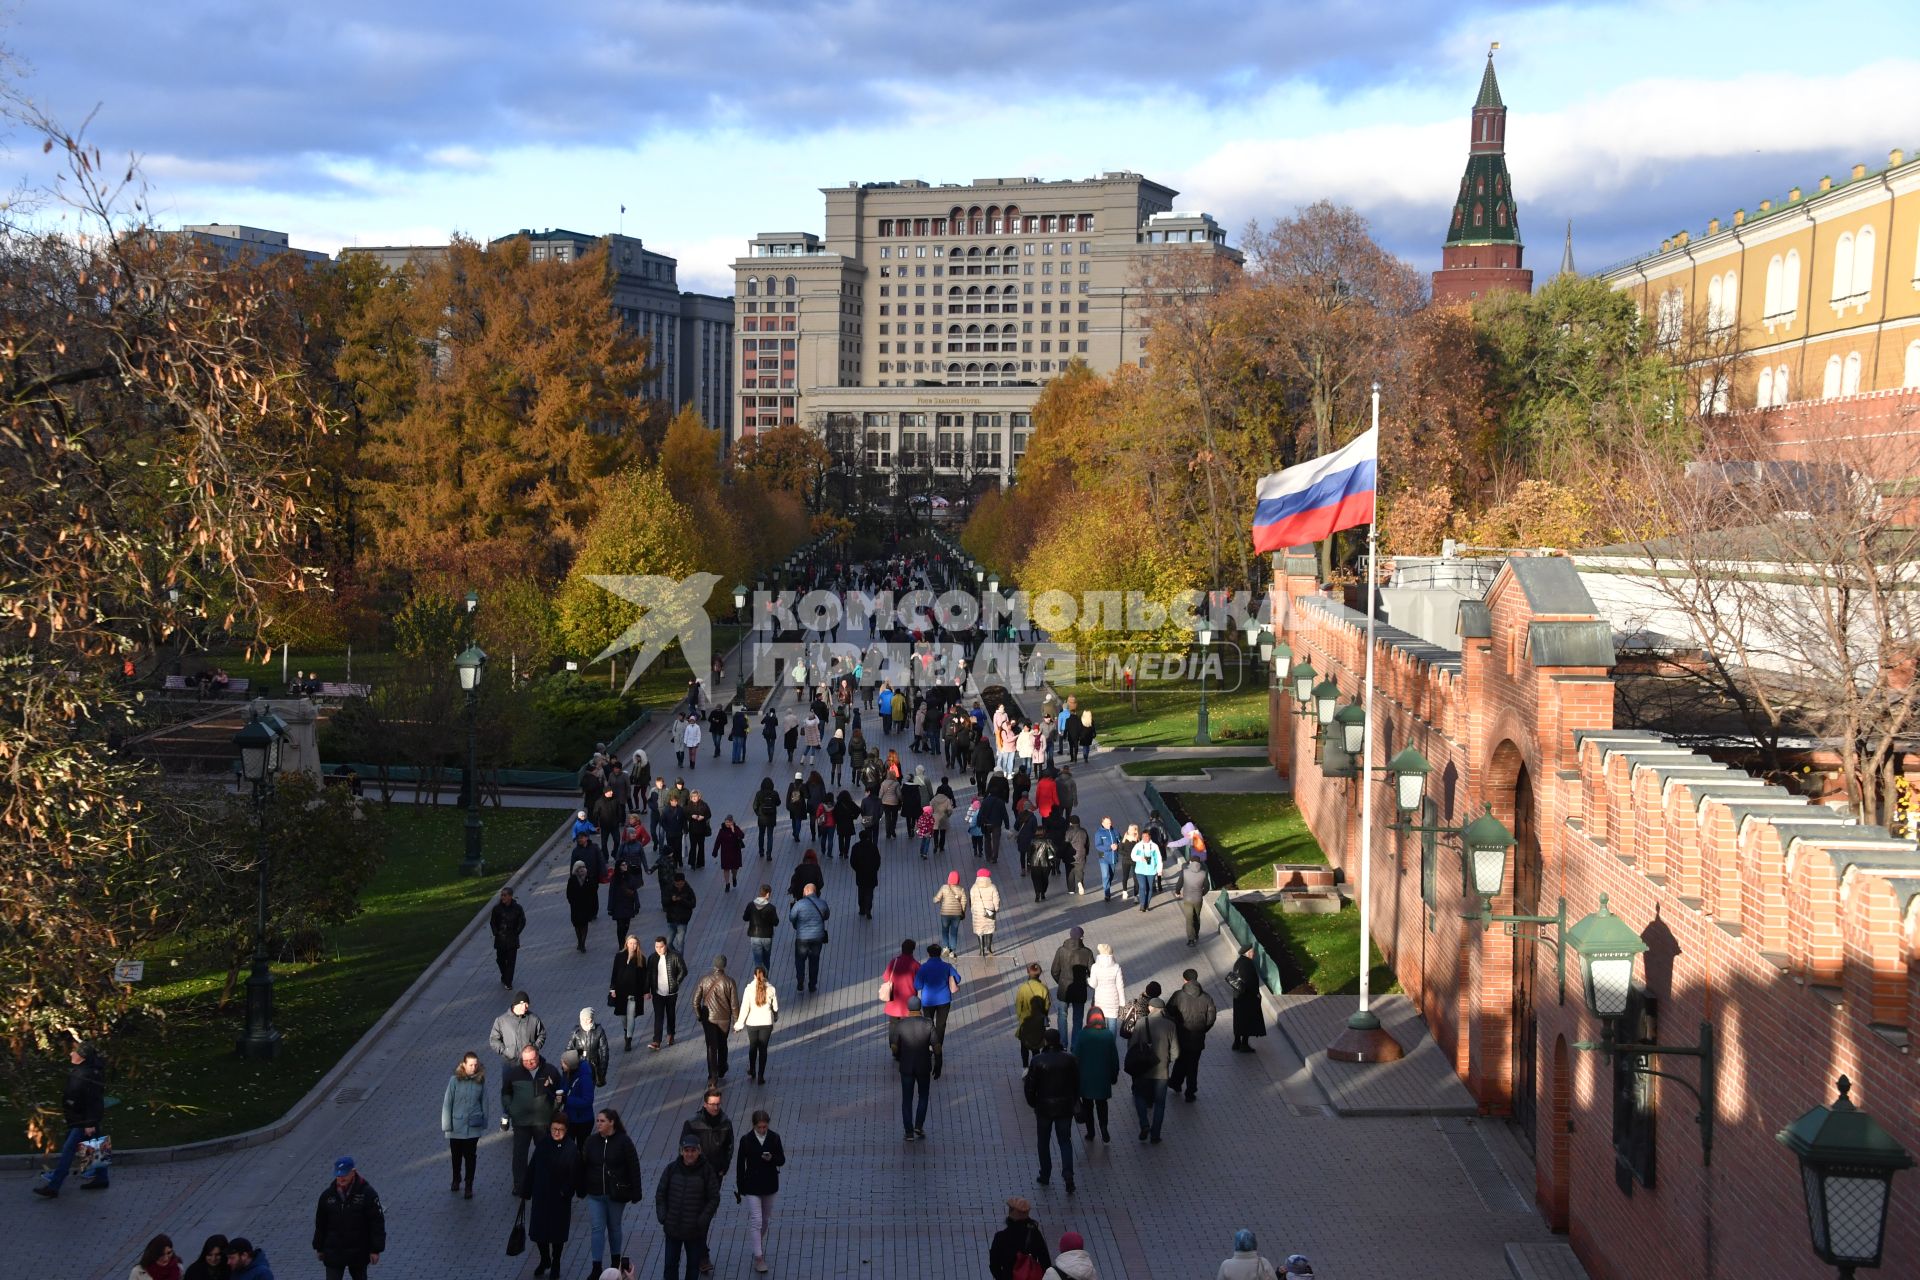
328, 1083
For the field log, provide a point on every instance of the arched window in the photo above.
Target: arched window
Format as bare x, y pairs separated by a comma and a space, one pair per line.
1911, 378
1479, 215
1862, 266
793, 287
1843, 266
1850, 375
753, 287
1013, 219
1730, 299
956, 218
1780, 395
1790, 285
1775, 270
953, 331
1763, 390
1714, 292
1830, 384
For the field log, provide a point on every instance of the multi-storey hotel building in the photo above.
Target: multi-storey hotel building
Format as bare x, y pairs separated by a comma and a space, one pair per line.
919, 330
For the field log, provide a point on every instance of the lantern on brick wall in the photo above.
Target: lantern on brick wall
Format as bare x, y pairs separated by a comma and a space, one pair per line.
1303, 678
1351, 721
1409, 770
1847, 1163
1607, 947
1326, 700
1485, 842
1282, 661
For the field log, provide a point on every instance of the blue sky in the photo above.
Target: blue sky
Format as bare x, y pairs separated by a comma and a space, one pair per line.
378, 123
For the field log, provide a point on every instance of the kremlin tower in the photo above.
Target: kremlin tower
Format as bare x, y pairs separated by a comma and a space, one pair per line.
1483, 248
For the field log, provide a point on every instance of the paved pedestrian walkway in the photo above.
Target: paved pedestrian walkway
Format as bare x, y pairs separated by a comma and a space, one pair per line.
1380, 1197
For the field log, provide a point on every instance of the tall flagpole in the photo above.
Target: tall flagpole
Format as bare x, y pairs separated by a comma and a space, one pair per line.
1365, 1040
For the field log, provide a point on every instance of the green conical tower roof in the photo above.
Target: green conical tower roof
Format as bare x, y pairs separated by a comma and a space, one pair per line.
1489, 89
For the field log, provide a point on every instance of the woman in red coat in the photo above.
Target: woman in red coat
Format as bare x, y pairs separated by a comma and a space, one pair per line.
729, 844
1046, 796
897, 978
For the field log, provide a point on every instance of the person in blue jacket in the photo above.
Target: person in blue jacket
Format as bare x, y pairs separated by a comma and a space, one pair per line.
244, 1262
1106, 848
576, 1078
934, 982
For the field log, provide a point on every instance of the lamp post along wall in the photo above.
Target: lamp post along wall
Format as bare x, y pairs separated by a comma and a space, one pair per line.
259, 746
471, 665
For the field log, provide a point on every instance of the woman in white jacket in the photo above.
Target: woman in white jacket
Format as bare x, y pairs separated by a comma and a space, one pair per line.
759, 1010
1107, 986
1246, 1262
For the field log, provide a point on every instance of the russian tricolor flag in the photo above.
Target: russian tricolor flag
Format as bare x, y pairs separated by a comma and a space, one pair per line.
1306, 503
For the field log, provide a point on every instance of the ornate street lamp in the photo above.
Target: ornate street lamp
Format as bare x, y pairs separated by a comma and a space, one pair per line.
1204, 634
1303, 678
1351, 723
258, 743
471, 665
1409, 770
473, 601
1607, 947
1847, 1163
1326, 700
1282, 661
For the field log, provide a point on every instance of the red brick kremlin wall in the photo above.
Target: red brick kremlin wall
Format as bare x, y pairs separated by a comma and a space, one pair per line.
1792, 933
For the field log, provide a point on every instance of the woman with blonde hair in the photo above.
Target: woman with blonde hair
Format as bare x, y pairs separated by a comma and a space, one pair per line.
463, 1117
759, 1010
1106, 985
626, 992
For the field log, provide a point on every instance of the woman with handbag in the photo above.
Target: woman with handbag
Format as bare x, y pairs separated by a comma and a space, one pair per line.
552, 1178
1249, 1017
463, 1117
896, 988
759, 1010
757, 1181
625, 992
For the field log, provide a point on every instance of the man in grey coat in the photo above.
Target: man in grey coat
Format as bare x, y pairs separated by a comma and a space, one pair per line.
1156, 1032
515, 1029
1192, 891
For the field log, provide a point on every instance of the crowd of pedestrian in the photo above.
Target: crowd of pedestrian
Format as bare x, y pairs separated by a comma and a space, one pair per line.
859, 793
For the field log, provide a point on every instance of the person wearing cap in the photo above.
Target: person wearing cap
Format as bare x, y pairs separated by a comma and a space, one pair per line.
1020, 1238
1297, 1265
507, 922
684, 1201
245, 1262
1072, 965
515, 1029
1246, 1262
951, 903
349, 1226
1073, 1262
935, 983
986, 908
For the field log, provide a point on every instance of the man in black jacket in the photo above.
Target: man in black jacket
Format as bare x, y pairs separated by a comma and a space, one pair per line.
1053, 1091
82, 1105
1020, 1236
1072, 962
866, 871
1193, 1013
660, 977
914, 1040
677, 902
349, 1226
684, 1202
508, 921
714, 1128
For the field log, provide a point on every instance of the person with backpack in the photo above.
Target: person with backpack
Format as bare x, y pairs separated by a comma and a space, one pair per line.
808, 916
766, 815
974, 832
1030, 1005
1018, 1250
1042, 856
1152, 1050
1072, 967
935, 983
797, 807
1193, 1013
769, 729
836, 756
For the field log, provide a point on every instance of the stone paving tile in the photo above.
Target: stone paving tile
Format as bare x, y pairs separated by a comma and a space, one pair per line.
1363, 1198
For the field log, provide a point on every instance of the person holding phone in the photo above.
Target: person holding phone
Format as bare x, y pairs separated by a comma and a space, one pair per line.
757, 1169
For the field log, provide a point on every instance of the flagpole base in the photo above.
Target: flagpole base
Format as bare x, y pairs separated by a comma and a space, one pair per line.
1365, 1040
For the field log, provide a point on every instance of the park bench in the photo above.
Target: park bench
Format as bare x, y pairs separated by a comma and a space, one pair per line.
342, 689
181, 684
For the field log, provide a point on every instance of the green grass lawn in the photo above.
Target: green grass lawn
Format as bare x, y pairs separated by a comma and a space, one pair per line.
1165, 715
1190, 766
1325, 948
1246, 834
185, 1083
